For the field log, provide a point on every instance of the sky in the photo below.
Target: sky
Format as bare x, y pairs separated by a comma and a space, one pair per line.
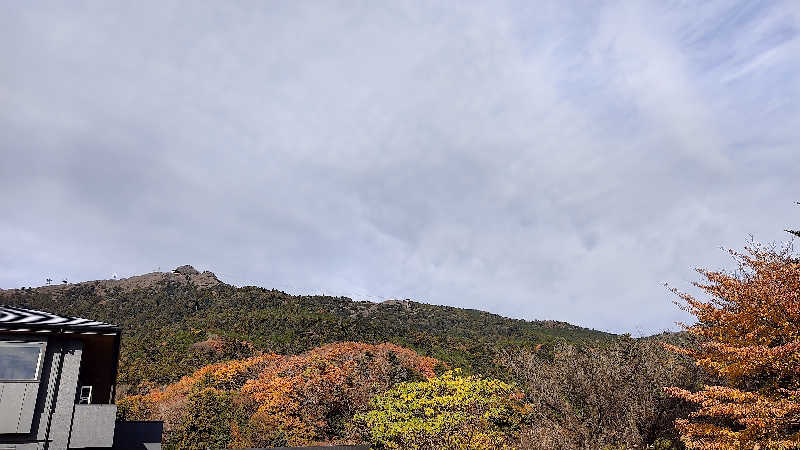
540, 160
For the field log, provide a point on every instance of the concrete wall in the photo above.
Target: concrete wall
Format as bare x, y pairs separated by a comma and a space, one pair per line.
17, 401
47, 391
18, 398
93, 426
53, 401
44, 416
61, 420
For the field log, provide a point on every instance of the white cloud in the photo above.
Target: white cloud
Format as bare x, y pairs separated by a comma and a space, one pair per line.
541, 162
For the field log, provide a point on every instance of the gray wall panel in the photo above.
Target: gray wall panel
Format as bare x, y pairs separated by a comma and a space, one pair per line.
61, 423
11, 403
28, 404
17, 401
93, 426
49, 385
5, 422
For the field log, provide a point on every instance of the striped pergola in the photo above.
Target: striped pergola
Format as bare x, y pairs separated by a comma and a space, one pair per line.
31, 320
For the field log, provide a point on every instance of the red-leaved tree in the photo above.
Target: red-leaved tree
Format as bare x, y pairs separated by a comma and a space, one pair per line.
748, 335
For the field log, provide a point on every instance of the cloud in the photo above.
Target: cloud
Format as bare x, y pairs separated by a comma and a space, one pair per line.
539, 162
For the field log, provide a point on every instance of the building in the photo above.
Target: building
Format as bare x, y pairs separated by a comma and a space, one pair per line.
57, 384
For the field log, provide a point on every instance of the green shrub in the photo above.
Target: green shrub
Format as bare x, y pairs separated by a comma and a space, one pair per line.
135, 407
207, 422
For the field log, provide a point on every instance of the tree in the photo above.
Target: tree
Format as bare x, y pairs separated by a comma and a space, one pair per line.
207, 421
749, 337
312, 397
451, 411
794, 232
275, 400
609, 396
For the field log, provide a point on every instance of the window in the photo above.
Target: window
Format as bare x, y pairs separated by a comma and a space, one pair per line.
19, 361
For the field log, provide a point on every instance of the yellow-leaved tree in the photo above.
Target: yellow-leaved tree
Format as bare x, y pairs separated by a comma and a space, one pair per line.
748, 335
447, 412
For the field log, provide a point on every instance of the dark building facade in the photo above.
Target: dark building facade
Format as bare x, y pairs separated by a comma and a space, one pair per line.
57, 382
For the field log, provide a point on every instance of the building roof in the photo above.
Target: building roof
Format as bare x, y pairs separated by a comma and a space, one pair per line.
21, 319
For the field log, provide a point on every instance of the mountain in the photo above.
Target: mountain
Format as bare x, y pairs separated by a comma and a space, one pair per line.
176, 322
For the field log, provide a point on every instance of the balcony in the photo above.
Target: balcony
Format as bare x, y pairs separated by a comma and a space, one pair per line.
93, 426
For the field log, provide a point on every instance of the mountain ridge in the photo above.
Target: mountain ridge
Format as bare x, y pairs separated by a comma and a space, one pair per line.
174, 322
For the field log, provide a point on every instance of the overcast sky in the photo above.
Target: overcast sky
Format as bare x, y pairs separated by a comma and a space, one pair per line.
541, 160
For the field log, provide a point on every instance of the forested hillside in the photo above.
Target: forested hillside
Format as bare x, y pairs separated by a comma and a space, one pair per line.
219, 364
176, 322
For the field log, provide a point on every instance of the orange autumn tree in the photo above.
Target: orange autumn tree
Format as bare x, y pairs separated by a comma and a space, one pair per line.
198, 410
748, 336
311, 398
276, 400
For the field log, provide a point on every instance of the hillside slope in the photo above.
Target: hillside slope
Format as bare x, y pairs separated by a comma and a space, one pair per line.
175, 322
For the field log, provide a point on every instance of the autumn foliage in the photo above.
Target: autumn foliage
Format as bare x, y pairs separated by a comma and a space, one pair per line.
446, 412
749, 337
273, 400
311, 397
